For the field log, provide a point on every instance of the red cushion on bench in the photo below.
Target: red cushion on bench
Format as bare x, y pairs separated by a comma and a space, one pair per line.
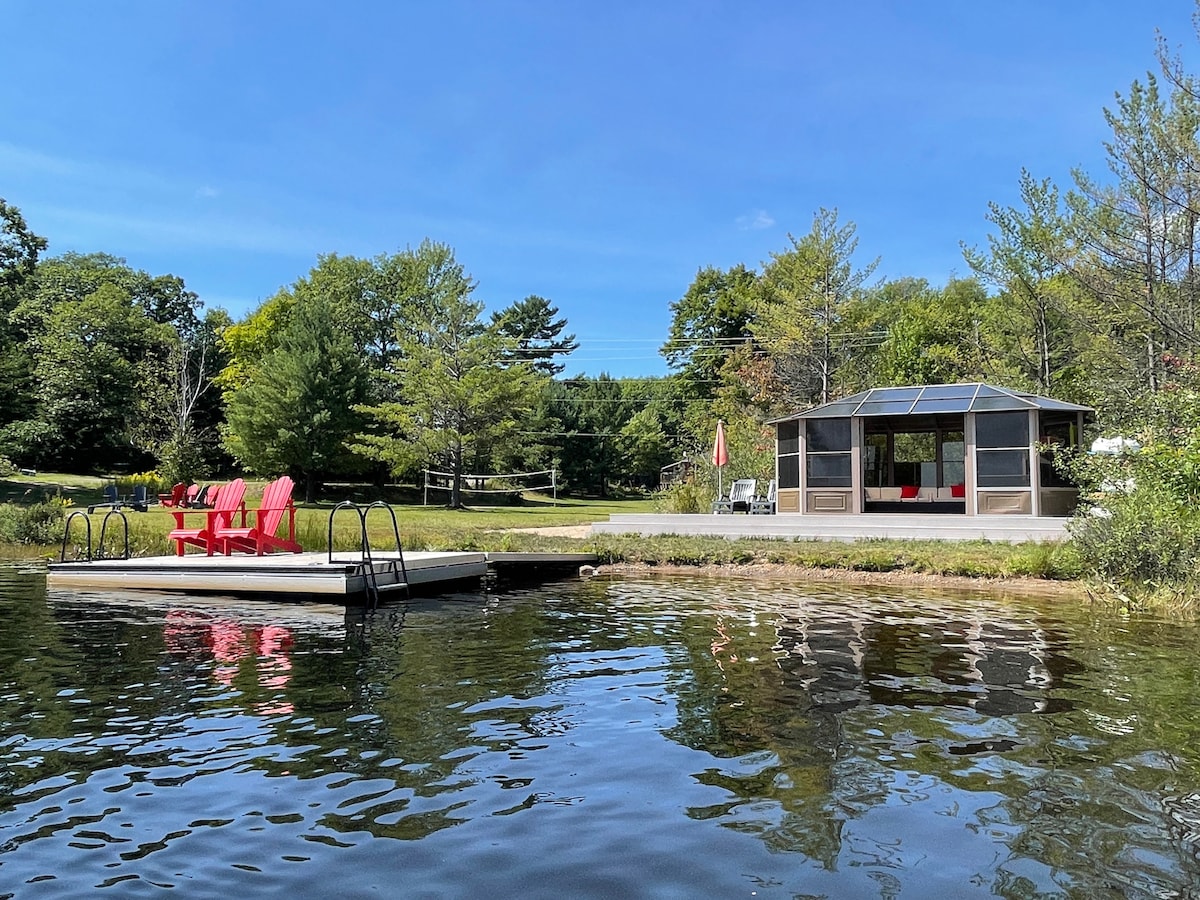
908, 491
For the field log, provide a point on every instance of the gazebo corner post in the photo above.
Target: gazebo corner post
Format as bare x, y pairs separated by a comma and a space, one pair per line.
802, 442
1035, 463
857, 432
971, 490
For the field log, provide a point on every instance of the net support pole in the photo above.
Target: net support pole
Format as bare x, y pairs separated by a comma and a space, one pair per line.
425, 472
554, 485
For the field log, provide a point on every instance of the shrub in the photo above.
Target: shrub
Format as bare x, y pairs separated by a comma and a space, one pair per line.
686, 497
153, 482
40, 523
6, 467
181, 459
1139, 540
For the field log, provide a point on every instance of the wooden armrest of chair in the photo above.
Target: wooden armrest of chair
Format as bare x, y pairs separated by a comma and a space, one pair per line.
180, 513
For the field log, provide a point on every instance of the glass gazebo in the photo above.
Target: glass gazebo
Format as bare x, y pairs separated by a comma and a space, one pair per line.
967, 449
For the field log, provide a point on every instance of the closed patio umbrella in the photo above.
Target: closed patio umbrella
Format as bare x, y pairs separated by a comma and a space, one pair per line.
720, 455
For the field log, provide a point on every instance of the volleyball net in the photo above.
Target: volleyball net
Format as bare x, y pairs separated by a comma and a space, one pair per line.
499, 484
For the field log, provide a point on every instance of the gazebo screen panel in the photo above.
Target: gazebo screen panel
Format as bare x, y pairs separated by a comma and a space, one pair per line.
1002, 430
789, 437
827, 452
829, 436
1002, 449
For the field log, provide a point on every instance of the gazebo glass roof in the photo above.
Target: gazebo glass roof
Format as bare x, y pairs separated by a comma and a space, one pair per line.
932, 399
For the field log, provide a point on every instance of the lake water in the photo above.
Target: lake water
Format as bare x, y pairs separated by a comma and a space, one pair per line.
627, 738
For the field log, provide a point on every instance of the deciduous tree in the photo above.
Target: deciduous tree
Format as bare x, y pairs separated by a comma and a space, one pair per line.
456, 386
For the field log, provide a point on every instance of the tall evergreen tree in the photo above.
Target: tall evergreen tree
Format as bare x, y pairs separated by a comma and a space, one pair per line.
531, 323
1035, 324
802, 314
299, 408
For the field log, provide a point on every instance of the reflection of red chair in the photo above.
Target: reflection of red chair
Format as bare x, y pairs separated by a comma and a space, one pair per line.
260, 539
229, 501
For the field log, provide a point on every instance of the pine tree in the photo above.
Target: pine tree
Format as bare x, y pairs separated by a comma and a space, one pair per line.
538, 335
298, 409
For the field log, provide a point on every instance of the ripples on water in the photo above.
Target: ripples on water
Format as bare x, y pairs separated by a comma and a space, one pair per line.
612, 738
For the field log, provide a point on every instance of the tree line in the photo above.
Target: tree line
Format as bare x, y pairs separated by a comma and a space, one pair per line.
377, 368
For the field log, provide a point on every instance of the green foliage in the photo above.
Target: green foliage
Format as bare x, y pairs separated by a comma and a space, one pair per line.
686, 497
1143, 533
247, 343
1049, 561
182, 458
458, 390
19, 247
592, 413
298, 410
807, 293
1139, 541
930, 336
6, 467
537, 335
712, 318
39, 523
94, 358
153, 482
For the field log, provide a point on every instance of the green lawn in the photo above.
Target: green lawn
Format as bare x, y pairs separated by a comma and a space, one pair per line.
78, 489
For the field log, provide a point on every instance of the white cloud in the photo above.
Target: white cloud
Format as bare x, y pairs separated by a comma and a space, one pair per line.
755, 220
204, 192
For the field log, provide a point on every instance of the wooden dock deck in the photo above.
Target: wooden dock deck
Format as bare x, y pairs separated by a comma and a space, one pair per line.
867, 526
346, 576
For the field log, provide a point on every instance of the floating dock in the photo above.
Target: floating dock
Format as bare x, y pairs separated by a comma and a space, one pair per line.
319, 574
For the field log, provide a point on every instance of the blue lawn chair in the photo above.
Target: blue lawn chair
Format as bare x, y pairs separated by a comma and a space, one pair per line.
111, 499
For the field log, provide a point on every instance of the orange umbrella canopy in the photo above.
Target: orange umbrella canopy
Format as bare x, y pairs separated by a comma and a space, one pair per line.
720, 455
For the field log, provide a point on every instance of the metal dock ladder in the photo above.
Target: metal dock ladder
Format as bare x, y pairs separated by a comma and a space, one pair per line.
395, 566
88, 557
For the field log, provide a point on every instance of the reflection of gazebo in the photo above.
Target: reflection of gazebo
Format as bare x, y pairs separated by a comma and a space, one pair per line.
945, 448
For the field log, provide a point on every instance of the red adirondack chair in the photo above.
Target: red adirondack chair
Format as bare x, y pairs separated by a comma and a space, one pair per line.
261, 538
229, 502
175, 498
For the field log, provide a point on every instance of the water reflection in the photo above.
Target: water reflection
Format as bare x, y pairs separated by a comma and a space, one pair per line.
231, 645
600, 739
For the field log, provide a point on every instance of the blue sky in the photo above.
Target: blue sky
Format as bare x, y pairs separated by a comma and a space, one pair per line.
595, 154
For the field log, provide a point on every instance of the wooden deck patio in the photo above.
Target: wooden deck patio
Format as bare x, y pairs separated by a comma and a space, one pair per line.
868, 526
